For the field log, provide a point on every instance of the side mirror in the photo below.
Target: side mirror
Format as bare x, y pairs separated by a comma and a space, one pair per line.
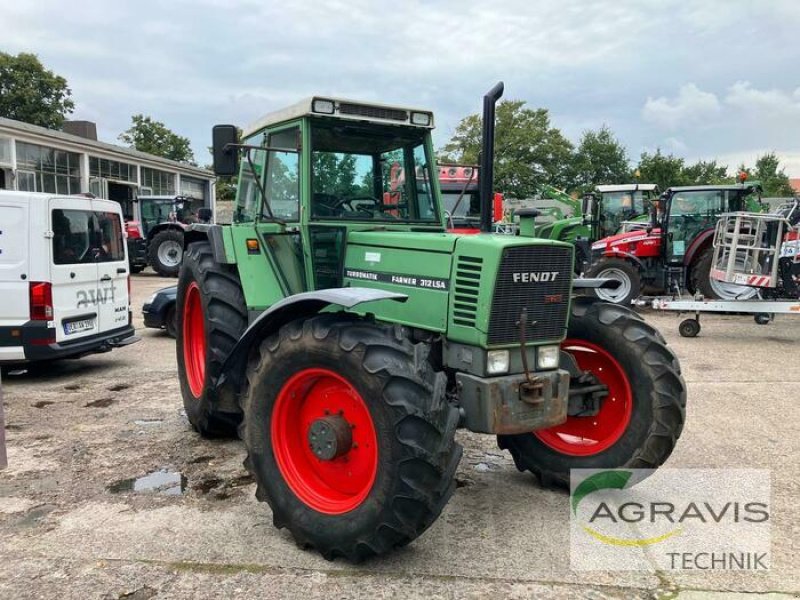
585, 205
205, 214
226, 154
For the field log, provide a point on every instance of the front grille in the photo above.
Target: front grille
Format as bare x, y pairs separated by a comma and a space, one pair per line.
547, 299
373, 112
465, 298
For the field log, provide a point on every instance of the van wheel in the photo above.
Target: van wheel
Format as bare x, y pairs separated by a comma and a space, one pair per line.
165, 252
212, 315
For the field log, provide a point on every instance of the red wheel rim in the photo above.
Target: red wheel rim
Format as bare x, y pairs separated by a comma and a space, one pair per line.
328, 486
194, 340
586, 436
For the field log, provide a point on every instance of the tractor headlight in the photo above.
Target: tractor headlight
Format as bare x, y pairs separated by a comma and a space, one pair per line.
547, 357
497, 362
419, 118
325, 107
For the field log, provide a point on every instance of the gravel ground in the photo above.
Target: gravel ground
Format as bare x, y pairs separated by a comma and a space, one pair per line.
74, 522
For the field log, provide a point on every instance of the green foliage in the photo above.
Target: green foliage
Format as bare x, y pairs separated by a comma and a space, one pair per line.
665, 170
773, 180
599, 158
153, 137
336, 174
32, 94
528, 150
707, 173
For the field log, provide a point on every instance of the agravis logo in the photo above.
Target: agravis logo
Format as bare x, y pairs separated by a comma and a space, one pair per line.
672, 519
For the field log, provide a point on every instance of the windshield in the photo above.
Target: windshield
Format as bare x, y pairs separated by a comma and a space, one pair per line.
361, 173
469, 208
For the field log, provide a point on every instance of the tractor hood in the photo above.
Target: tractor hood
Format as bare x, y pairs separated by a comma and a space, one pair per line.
625, 239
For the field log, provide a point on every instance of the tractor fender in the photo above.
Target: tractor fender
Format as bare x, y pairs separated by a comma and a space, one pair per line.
276, 316
698, 245
204, 232
625, 256
163, 227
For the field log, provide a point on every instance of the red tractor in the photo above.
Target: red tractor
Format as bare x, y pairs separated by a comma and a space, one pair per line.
674, 250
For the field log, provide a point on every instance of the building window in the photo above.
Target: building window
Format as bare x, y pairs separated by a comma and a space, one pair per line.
194, 188
112, 169
43, 169
161, 182
5, 152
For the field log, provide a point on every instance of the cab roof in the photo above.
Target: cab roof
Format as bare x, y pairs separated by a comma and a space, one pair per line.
627, 187
704, 188
341, 109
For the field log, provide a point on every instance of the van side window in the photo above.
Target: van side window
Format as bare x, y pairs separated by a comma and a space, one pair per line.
84, 236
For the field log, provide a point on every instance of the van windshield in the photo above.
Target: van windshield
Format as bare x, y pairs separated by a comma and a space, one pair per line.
85, 236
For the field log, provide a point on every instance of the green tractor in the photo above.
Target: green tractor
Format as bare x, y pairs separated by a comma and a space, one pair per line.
346, 334
600, 214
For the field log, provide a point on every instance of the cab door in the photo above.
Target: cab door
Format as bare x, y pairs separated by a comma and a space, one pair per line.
113, 304
73, 268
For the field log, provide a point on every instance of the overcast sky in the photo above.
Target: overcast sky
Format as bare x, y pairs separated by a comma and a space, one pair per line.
710, 79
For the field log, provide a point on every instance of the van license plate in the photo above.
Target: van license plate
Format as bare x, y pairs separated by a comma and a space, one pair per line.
78, 326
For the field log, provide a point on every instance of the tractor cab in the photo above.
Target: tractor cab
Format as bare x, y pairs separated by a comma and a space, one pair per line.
674, 250
618, 206
461, 198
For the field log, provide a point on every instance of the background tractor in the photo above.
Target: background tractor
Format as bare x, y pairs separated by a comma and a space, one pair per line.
599, 214
347, 337
162, 220
675, 251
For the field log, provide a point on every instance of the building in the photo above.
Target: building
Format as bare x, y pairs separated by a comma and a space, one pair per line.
37, 159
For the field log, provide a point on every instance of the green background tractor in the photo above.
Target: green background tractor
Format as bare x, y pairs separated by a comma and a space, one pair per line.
600, 214
347, 335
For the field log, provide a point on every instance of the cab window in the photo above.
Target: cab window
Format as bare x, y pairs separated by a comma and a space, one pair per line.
370, 173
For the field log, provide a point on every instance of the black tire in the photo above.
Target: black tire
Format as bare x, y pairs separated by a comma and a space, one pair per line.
617, 268
170, 322
700, 281
225, 319
416, 448
689, 328
167, 236
659, 398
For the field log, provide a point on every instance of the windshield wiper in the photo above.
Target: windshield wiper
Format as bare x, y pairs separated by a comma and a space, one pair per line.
260, 185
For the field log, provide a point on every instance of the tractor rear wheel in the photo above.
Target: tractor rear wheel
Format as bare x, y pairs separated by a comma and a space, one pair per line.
349, 435
641, 418
165, 252
701, 280
622, 271
211, 319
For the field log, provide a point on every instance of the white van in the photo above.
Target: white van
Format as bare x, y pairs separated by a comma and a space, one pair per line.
64, 282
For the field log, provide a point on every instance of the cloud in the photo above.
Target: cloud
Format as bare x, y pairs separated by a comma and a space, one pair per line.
773, 102
690, 106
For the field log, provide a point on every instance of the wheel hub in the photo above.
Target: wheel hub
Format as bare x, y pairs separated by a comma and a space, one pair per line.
330, 437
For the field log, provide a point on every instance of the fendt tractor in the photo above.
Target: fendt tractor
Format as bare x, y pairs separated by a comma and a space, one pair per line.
675, 250
347, 339
600, 214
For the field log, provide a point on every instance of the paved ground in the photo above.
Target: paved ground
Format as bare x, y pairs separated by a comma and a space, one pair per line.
80, 431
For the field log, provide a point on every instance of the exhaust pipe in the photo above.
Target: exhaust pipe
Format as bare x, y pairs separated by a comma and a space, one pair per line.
487, 156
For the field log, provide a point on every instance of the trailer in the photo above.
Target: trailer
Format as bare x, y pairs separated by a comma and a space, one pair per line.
763, 311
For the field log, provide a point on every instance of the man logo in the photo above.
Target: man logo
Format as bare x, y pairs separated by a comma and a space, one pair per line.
541, 277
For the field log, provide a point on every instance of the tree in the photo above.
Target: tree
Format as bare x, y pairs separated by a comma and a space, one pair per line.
31, 93
528, 150
665, 170
775, 182
600, 158
153, 137
706, 173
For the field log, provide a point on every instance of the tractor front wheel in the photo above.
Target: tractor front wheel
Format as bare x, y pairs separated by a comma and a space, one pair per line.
621, 271
165, 252
349, 435
638, 422
211, 317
